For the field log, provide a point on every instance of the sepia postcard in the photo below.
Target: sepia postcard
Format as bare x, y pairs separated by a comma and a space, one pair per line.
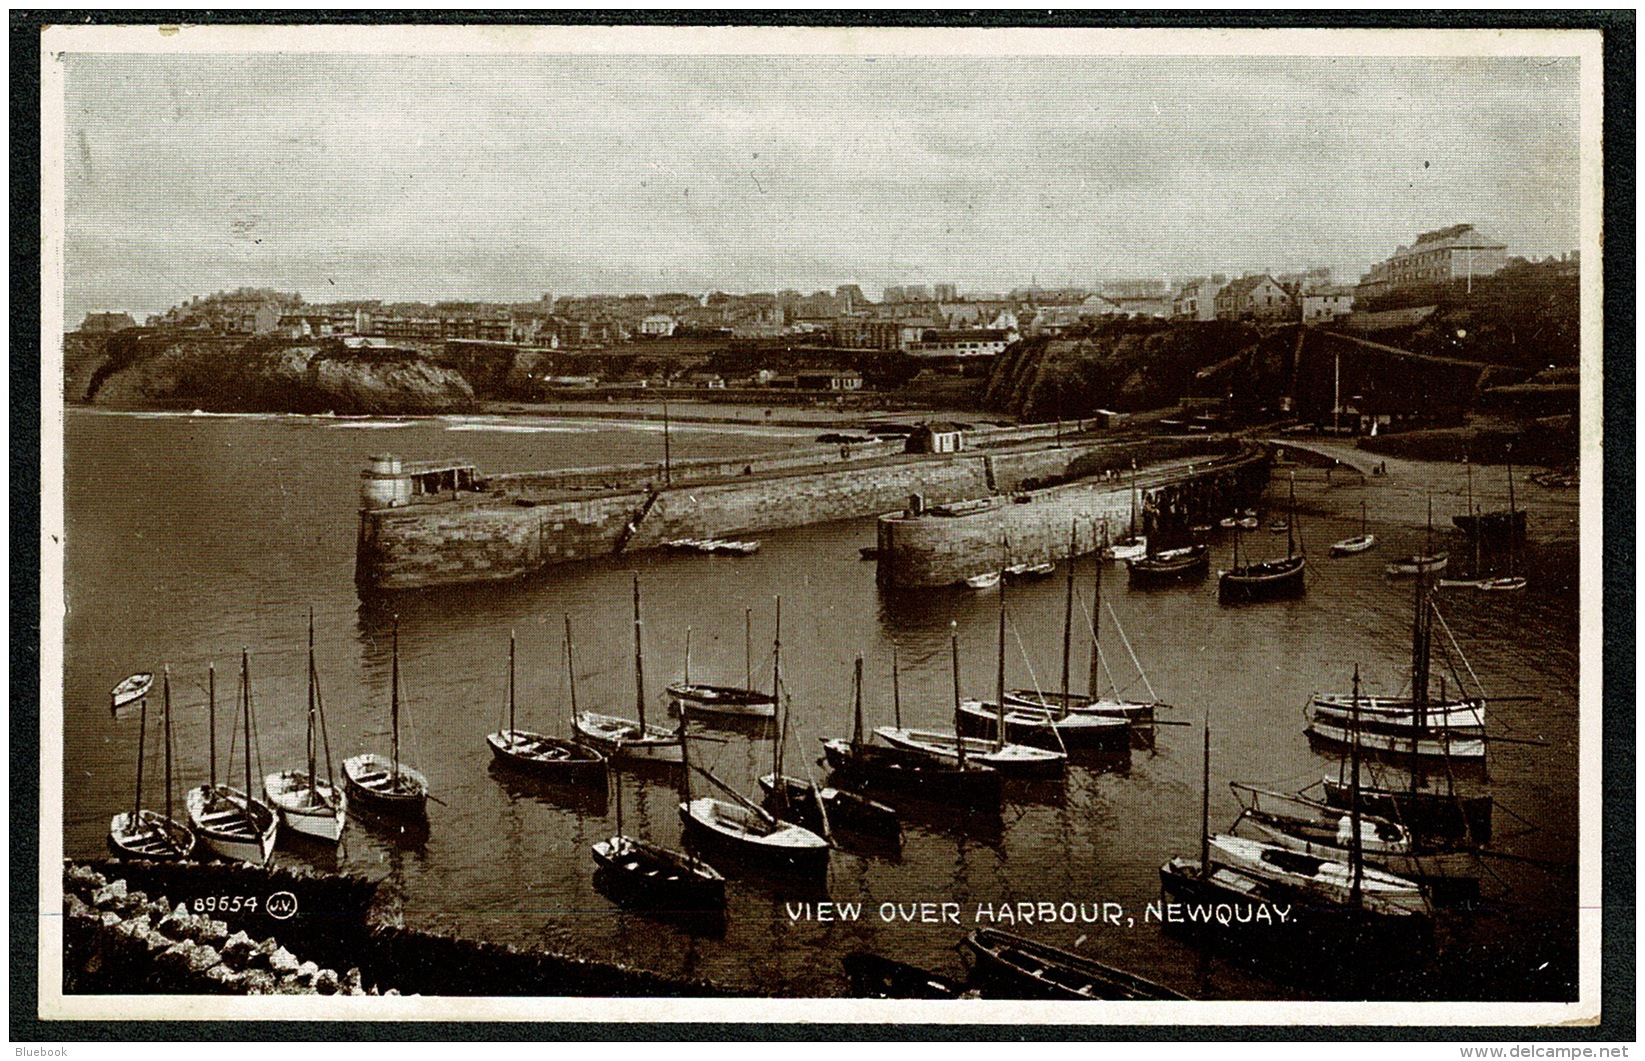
951, 525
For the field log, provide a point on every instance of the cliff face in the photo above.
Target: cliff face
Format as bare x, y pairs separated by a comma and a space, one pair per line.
227, 377
1121, 365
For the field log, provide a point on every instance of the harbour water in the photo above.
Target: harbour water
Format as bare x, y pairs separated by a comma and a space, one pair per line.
191, 536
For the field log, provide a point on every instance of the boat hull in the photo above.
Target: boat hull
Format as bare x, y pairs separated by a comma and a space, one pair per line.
1168, 570
741, 834
318, 815
1399, 715
1411, 566
1273, 580
1134, 711
553, 758
232, 825
1426, 813
1011, 966
621, 739
1011, 760
872, 976
152, 836
1047, 729
796, 800
369, 781
1433, 744
131, 690
700, 700
1444, 875
635, 872
1350, 546
870, 768
1326, 880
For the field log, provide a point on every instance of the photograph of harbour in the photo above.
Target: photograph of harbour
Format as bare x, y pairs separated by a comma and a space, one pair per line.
935, 518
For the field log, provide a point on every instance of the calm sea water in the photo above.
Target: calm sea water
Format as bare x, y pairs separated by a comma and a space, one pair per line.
190, 537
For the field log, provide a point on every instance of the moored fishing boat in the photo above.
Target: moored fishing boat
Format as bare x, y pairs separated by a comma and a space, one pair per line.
142, 833
986, 580
1012, 966
1030, 572
308, 802
1044, 728
824, 809
384, 784
634, 871
1269, 579
228, 821
540, 754
1424, 810
1170, 566
873, 976
623, 739
1427, 562
702, 699
1011, 760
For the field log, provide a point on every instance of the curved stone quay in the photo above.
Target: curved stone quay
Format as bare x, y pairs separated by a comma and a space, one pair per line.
927, 545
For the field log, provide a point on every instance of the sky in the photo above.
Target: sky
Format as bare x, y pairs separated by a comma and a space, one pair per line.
504, 177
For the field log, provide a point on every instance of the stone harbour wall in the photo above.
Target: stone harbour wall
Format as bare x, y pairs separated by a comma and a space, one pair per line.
1049, 524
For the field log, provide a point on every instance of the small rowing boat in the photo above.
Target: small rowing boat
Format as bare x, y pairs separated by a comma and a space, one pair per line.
130, 690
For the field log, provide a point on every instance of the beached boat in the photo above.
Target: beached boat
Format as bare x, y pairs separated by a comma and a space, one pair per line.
308, 802
228, 821
384, 784
142, 833
1012, 966
1269, 579
550, 757
619, 738
1030, 572
1171, 566
986, 580
1359, 543
1428, 562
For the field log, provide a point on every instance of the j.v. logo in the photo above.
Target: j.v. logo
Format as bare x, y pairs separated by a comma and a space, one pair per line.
281, 905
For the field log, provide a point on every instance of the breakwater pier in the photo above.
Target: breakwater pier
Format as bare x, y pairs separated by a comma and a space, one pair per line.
448, 523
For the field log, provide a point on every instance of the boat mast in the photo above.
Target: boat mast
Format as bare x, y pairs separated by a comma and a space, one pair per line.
688, 656
511, 687
1067, 616
1096, 626
245, 681
639, 660
896, 685
954, 649
571, 674
211, 723
166, 689
394, 704
311, 702
1133, 498
142, 729
1474, 520
1205, 802
856, 701
1356, 852
999, 684
1428, 542
777, 655
1291, 521
748, 648
1513, 514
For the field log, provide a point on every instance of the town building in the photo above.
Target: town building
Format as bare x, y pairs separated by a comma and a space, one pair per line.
657, 326
936, 437
1326, 304
1459, 252
828, 379
1255, 298
106, 323
1197, 299
967, 342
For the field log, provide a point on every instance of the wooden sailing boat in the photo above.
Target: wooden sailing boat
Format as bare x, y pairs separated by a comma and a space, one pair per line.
744, 830
1170, 567
868, 767
1509, 583
636, 871
1405, 729
1497, 525
387, 785
1138, 714
1012, 966
733, 701
1427, 562
308, 801
1269, 579
821, 809
143, 833
623, 739
1133, 545
229, 821
1011, 760
554, 758
1332, 904
1359, 543
1314, 828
